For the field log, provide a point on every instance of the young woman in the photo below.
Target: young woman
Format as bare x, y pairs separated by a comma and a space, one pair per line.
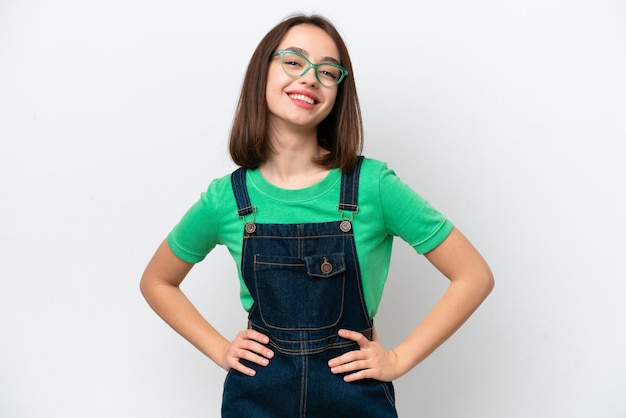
310, 223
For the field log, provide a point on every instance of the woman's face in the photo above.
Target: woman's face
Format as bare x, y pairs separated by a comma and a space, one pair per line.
301, 103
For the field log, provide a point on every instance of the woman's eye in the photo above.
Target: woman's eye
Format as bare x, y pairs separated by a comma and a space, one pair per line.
328, 74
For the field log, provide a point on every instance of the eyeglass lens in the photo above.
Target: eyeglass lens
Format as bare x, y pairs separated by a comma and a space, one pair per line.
296, 65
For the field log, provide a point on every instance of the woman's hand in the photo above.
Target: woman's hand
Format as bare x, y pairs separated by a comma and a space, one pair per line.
471, 281
372, 360
247, 345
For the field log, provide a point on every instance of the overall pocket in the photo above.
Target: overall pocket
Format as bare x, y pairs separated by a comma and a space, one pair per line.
300, 293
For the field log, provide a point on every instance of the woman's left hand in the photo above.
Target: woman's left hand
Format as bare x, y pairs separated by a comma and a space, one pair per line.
372, 360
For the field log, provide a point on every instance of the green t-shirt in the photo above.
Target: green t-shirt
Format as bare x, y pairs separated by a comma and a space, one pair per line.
387, 208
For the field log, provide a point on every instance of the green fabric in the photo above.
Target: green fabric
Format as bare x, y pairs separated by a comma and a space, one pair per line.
387, 208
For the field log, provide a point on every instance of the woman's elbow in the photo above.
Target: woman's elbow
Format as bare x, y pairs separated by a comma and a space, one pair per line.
487, 281
145, 286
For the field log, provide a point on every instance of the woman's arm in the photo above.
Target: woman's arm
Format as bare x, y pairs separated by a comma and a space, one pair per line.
160, 285
471, 281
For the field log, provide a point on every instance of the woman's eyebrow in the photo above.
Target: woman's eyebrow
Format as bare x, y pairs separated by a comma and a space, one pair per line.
306, 54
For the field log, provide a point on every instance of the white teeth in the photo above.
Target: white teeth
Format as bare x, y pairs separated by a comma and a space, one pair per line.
302, 97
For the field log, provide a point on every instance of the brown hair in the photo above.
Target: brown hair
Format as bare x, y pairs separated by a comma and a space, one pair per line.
340, 133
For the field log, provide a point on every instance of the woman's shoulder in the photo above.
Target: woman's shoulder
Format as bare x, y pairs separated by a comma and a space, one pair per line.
373, 169
379, 173
218, 184
373, 166
218, 192
222, 183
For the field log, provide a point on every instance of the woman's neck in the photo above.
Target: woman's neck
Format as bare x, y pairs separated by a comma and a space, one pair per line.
291, 164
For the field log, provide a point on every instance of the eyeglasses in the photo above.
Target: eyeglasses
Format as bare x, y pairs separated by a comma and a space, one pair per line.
296, 65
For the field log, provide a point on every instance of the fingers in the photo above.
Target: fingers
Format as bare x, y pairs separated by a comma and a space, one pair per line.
356, 365
349, 362
352, 360
371, 360
248, 345
355, 336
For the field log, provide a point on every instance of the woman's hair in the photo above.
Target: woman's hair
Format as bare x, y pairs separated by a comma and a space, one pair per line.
340, 133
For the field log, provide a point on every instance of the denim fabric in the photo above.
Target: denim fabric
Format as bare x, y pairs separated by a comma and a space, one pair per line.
306, 285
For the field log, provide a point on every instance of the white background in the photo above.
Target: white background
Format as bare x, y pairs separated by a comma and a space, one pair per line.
508, 116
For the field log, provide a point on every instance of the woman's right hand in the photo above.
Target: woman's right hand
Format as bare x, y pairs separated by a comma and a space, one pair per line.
247, 345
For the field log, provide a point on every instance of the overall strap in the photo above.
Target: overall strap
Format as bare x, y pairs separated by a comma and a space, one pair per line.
350, 188
348, 197
238, 181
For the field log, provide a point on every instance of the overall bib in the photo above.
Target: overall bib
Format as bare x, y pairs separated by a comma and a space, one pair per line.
306, 285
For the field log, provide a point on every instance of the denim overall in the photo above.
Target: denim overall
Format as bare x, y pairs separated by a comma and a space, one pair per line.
306, 285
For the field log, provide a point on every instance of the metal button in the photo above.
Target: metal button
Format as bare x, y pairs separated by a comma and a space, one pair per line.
326, 267
250, 227
345, 226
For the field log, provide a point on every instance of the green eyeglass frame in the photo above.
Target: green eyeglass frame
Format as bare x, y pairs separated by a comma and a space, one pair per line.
324, 82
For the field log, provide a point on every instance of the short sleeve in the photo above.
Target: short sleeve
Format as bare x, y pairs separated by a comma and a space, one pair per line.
409, 216
195, 235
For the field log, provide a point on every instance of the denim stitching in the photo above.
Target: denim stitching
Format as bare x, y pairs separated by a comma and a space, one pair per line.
339, 314
390, 397
304, 388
